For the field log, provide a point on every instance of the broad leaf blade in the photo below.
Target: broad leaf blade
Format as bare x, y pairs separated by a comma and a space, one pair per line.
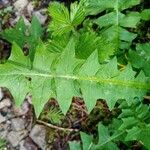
94, 81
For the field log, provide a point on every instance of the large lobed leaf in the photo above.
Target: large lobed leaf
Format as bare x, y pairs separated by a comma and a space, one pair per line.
64, 77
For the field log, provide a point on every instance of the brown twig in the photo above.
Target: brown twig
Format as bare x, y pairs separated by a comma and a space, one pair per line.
56, 127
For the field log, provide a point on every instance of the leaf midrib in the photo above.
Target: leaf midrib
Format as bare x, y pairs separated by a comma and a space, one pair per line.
96, 79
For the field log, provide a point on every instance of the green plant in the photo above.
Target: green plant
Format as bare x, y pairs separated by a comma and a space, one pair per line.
141, 57
90, 53
66, 77
2, 143
130, 125
27, 37
102, 25
53, 115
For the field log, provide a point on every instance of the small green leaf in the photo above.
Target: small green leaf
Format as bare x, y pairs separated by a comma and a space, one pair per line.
109, 19
87, 143
130, 20
18, 56
16, 34
86, 44
128, 122
124, 4
144, 137
60, 19
142, 59
24, 35
77, 13
105, 140
133, 133
74, 145
145, 14
2, 144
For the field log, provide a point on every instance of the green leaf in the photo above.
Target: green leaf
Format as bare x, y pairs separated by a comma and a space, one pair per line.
106, 49
130, 20
86, 86
142, 59
145, 14
86, 44
97, 6
90, 41
56, 44
135, 118
16, 75
35, 34
65, 88
105, 140
128, 122
62, 20
115, 33
18, 56
109, 19
126, 113
124, 4
24, 35
126, 35
91, 80
87, 141
74, 145
2, 144
77, 13
133, 133
143, 111
111, 36
144, 137
16, 34
113, 26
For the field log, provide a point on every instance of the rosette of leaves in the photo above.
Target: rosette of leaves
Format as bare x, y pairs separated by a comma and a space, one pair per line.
63, 76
